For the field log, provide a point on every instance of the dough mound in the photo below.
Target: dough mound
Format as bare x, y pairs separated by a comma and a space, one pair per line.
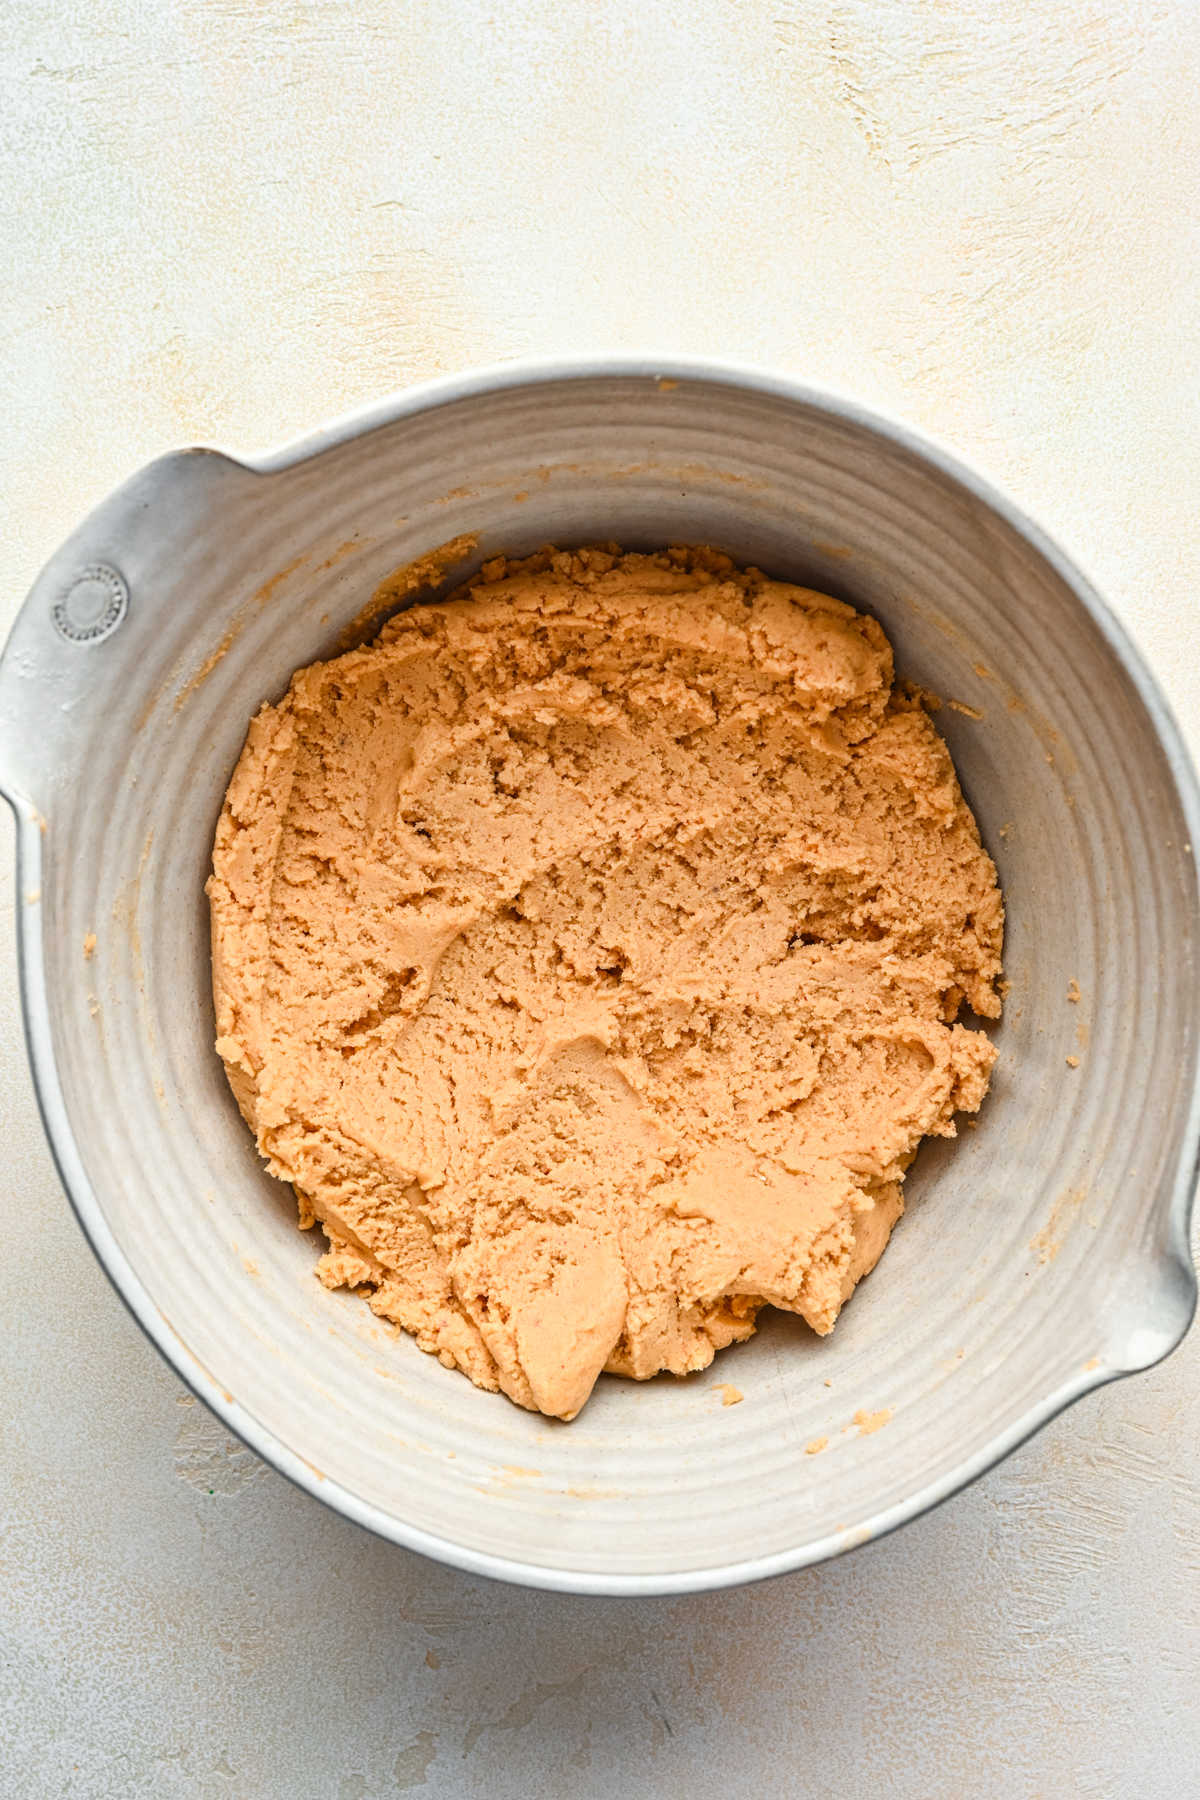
587, 951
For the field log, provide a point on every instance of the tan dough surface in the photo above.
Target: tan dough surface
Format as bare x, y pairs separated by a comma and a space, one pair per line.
587, 952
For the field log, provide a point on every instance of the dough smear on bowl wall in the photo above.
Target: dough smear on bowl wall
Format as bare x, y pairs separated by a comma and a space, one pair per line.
588, 953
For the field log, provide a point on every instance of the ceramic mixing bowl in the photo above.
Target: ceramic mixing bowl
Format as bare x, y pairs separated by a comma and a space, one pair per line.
1041, 1254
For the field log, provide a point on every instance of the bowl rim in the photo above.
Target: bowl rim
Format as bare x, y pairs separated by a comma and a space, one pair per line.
426, 396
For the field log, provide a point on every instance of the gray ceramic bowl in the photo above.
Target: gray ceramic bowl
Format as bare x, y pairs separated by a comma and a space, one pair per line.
1042, 1254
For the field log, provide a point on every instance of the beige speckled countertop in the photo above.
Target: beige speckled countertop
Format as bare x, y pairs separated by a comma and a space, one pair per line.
226, 220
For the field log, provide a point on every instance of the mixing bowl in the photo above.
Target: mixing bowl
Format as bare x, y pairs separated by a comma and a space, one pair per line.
1042, 1254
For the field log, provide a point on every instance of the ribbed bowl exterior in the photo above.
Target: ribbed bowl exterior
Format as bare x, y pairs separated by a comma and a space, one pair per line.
1042, 1253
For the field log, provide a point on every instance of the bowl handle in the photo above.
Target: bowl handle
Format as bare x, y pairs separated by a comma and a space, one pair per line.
89, 617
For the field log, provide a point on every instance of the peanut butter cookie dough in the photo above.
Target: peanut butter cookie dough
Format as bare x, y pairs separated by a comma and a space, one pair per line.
587, 953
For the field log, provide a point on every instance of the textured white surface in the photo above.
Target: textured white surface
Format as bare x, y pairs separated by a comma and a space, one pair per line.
226, 220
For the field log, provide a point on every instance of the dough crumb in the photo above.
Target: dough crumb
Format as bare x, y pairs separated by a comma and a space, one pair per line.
868, 1422
815, 1446
589, 952
1072, 1062
1073, 993
730, 1396
89, 945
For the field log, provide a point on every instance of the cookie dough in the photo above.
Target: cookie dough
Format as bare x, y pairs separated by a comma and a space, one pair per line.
587, 953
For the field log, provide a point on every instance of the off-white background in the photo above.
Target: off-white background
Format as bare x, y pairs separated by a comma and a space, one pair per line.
224, 220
